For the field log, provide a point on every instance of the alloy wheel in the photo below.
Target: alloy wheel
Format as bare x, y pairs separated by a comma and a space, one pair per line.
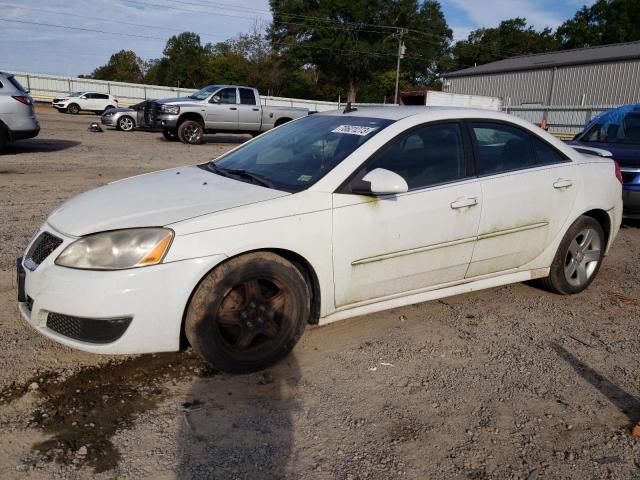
583, 256
126, 124
192, 133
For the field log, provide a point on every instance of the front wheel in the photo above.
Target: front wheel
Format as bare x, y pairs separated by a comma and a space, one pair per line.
191, 132
125, 124
248, 313
73, 109
578, 258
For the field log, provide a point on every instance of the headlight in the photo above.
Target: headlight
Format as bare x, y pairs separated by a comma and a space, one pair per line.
173, 109
119, 249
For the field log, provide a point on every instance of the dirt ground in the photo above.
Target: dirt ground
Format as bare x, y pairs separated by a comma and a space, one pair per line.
507, 383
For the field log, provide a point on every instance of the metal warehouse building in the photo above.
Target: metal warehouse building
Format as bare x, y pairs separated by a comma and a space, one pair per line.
606, 75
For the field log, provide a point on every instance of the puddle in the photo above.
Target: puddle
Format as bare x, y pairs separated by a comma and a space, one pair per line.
83, 412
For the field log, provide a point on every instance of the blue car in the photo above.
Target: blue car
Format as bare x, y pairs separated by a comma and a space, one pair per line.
618, 131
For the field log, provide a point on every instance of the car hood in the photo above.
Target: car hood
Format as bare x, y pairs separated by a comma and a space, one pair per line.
174, 101
155, 199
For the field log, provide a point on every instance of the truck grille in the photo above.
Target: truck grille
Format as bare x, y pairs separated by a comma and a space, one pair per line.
41, 249
88, 329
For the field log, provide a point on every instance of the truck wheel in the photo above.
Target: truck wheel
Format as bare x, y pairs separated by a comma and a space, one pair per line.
125, 123
248, 313
578, 258
190, 132
170, 135
73, 109
4, 139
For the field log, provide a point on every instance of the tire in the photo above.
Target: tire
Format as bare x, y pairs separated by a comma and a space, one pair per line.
73, 109
191, 132
170, 135
248, 313
4, 140
578, 258
125, 123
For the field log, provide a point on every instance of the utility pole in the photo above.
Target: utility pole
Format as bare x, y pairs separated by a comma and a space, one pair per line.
401, 50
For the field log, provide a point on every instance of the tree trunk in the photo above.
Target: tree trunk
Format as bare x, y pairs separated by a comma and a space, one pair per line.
351, 94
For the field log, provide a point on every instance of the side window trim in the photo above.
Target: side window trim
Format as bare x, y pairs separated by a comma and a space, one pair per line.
564, 158
467, 154
531, 136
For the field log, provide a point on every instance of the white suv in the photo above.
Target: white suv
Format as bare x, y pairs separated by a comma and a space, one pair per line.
91, 101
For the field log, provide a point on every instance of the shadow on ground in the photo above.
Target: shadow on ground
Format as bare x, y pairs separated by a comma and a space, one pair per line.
624, 401
39, 145
240, 426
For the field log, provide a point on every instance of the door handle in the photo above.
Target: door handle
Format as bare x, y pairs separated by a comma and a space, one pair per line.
232, 108
256, 109
463, 202
562, 183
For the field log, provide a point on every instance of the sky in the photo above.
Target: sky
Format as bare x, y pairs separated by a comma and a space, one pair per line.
29, 41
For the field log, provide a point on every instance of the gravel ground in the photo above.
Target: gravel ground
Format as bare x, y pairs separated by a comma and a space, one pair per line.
507, 383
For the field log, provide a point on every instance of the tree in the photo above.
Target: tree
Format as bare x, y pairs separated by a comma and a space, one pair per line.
350, 41
124, 66
510, 38
606, 21
184, 63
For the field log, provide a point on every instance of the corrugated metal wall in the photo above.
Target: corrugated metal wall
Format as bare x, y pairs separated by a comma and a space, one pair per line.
612, 83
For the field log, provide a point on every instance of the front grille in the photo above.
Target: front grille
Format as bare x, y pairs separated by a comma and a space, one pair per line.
41, 249
88, 329
628, 177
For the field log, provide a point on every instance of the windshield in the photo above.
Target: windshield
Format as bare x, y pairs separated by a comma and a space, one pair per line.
204, 93
298, 154
75, 94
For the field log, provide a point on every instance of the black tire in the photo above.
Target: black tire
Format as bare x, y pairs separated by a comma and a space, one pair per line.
191, 132
578, 258
4, 140
170, 135
125, 123
73, 109
248, 313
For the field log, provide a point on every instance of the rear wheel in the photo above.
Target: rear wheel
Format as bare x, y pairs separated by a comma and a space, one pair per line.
125, 124
578, 258
170, 135
191, 132
73, 109
248, 313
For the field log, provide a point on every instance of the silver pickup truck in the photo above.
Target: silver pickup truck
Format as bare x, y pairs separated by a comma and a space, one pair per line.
214, 109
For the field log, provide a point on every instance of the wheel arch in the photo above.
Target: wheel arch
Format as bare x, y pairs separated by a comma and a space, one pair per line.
281, 121
602, 217
196, 117
301, 263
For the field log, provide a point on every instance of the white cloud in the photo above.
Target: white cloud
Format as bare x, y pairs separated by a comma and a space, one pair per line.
491, 12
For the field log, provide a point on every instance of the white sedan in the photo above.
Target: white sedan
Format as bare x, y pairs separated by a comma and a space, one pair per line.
327, 217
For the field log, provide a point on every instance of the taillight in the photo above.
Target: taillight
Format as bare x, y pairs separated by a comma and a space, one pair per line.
22, 99
618, 171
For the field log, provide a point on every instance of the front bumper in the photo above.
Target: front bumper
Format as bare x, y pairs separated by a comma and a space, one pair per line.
165, 121
152, 298
24, 134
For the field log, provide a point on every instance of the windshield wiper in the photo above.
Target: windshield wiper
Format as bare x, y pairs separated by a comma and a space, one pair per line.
255, 177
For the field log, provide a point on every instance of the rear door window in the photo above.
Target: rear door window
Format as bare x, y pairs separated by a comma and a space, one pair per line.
546, 154
247, 97
502, 148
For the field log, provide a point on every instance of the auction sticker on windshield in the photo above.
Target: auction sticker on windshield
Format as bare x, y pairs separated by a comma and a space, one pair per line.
354, 130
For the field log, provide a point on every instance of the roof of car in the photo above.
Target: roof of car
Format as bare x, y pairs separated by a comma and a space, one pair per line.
398, 113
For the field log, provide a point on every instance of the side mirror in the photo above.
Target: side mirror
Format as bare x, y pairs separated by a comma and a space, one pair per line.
380, 182
215, 99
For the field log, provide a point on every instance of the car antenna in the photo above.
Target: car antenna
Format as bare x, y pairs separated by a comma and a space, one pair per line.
349, 108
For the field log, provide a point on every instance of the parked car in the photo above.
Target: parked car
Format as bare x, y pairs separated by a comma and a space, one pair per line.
328, 217
17, 116
216, 108
88, 101
125, 119
618, 131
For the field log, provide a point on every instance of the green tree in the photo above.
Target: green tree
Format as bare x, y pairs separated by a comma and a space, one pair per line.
184, 63
510, 38
350, 41
124, 66
606, 21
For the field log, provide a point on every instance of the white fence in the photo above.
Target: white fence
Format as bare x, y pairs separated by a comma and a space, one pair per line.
46, 87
